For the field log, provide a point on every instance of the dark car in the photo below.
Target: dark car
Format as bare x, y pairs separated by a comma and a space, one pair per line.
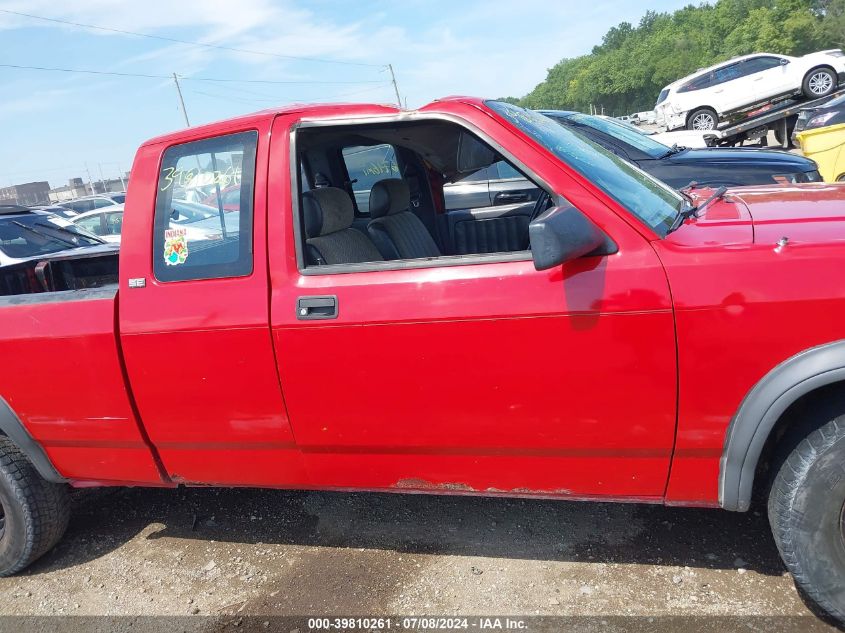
27, 234
829, 113
678, 166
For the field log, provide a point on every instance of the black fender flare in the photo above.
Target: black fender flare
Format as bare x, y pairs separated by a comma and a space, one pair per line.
760, 410
12, 427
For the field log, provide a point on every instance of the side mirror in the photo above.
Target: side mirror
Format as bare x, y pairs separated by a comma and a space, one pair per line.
562, 234
784, 62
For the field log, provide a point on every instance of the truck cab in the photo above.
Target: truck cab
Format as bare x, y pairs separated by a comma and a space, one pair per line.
607, 338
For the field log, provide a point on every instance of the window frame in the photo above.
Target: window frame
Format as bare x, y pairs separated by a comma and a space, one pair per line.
401, 264
242, 267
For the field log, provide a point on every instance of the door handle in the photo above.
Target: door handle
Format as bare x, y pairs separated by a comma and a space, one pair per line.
511, 197
316, 307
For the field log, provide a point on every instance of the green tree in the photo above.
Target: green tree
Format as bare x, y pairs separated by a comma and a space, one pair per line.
630, 66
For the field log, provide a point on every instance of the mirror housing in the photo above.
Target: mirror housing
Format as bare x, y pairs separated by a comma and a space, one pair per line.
562, 234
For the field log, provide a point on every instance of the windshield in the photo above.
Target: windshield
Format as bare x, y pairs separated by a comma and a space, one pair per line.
35, 234
650, 200
621, 131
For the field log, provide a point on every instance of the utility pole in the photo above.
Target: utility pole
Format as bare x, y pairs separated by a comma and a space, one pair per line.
182, 101
90, 184
120, 175
102, 180
395, 87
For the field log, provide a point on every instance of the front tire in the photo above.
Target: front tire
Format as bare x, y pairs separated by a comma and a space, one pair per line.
703, 119
807, 515
819, 83
35, 512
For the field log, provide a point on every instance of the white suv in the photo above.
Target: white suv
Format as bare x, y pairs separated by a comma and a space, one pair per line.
705, 99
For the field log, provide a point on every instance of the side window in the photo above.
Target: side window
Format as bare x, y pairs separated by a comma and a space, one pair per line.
80, 206
727, 73
698, 83
506, 171
366, 165
759, 64
480, 175
92, 223
213, 238
98, 203
114, 223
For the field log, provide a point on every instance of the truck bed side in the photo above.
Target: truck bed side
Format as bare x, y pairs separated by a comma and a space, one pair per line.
62, 376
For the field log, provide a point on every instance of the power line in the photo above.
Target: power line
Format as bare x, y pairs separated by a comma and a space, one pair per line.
267, 99
211, 79
188, 42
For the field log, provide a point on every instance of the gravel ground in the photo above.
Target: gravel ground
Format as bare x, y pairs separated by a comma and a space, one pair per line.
235, 553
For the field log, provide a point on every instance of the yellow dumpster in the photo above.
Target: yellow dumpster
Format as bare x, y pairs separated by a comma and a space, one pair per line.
824, 145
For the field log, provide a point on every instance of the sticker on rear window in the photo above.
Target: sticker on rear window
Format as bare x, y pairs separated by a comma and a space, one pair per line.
175, 246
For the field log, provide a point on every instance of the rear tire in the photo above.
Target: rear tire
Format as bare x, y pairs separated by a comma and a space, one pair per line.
35, 512
807, 515
703, 119
819, 83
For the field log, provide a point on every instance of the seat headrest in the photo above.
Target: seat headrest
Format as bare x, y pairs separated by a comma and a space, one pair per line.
390, 195
326, 210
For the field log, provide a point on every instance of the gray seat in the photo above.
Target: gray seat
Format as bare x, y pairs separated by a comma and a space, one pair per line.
330, 239
394, 229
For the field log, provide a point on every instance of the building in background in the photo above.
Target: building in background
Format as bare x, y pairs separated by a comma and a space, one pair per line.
76, 188
27, 194
111, 184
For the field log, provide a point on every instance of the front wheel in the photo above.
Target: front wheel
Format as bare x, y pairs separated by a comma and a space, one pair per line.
807, 515
818, 83
702, 119
33, 512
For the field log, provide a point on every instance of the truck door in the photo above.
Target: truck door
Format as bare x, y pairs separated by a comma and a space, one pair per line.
194, 314
476, 373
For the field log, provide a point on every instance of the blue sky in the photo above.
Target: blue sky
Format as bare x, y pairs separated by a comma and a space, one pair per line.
54, 123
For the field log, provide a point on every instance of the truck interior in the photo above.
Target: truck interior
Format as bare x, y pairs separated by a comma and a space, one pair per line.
377, 193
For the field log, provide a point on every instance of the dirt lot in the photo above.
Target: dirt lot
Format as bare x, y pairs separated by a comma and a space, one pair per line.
236, 553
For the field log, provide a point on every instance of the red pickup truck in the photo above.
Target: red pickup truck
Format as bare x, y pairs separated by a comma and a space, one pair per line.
610, 339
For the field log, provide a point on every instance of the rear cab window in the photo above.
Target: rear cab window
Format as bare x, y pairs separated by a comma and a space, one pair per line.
204, 209
365, 166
